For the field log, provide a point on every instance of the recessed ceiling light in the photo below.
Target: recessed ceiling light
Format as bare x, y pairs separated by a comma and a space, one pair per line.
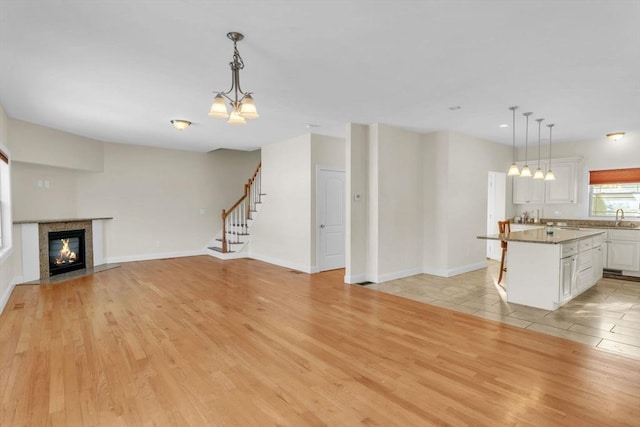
311, 126
455, 107
180, 124
504, 125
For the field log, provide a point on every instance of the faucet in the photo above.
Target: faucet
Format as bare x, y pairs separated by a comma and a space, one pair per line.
618, 221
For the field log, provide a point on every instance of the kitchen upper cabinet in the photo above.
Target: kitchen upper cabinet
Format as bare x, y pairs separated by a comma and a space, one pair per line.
527, 190
563, 190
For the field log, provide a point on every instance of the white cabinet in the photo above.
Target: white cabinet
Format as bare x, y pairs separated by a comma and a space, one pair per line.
567, 277
564, 189
623, 255
580, 267
549, 275
621, 251
585, 276
527, 190
598, 264
537, 191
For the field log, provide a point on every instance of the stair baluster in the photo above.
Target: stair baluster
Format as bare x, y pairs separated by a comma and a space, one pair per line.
235, 219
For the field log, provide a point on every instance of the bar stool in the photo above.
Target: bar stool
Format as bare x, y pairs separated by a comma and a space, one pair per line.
503, 227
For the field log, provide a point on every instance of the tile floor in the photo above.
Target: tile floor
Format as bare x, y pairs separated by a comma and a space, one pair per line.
607, 316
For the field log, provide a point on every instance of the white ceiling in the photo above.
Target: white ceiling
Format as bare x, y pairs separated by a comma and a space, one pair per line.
119, 71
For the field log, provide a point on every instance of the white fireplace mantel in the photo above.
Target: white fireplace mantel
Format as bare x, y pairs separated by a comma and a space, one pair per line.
31, 270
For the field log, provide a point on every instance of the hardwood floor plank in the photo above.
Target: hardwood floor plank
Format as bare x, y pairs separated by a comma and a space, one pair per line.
199, 341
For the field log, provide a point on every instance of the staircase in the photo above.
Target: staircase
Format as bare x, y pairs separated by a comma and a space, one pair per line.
237, 220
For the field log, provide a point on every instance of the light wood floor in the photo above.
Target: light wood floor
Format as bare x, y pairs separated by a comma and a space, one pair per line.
198, 341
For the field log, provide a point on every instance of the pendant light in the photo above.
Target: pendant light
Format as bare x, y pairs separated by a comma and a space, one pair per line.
242, 104
550, 176
526, 172
538, 173
513, 170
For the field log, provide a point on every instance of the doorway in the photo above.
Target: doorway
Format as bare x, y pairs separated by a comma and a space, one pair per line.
330, 202
496, 210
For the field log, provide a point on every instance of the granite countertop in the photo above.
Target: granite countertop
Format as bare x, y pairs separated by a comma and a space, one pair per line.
540, 235
588, 223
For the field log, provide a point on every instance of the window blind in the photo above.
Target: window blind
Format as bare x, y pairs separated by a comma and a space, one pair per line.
614, 176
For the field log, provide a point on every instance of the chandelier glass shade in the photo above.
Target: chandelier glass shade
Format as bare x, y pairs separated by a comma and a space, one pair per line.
242, 104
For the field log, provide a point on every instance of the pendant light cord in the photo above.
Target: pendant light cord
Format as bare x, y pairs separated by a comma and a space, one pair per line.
539, 125
550, 132
526, 140
513, 109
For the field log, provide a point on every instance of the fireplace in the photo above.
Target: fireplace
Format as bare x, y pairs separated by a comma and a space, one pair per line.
66, 251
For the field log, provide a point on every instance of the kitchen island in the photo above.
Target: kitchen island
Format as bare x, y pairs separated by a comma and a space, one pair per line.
548, 270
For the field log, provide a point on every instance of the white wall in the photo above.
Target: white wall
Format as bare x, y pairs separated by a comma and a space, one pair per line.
373, 201
154, 195
470, 160
285, 231
282, 233
9, 263
427, 201
356, 148
596, 154
43, 192
435, 202
400, 216
51, 147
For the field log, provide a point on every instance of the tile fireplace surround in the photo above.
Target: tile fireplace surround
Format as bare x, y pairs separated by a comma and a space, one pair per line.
43, 239
35, 244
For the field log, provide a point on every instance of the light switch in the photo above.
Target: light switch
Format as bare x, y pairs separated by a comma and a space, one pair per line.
40, 183
46, 184
201, 211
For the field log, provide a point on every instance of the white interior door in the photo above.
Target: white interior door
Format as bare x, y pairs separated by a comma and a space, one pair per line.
496, 210
331, 219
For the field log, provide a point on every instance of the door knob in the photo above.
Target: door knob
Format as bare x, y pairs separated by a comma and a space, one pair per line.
321, 225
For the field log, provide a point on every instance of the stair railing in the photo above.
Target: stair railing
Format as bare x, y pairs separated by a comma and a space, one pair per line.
235, 219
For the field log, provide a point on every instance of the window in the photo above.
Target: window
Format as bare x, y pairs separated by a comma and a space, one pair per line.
610, 190
5, 205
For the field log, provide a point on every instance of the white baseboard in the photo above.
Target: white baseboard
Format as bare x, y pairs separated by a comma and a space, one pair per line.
355, 278
7, 294
631, 273
147, 257
228, 255
360, 278
395, 275
282, 263
454, 271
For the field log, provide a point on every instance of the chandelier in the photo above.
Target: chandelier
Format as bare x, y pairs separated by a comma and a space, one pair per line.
242, 105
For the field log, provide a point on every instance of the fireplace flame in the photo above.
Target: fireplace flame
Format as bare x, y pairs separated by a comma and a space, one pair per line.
67, 256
